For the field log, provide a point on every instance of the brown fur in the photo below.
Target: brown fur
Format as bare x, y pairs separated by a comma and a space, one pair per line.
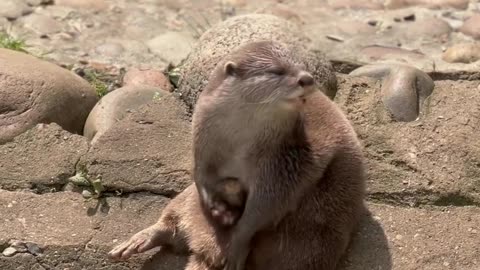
245, 128
301, 217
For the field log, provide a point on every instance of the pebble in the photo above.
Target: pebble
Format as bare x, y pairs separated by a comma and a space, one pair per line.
471, 27
86, 194
404, 88
111, 49
462, 53
42, 24
9, 252
171, 46
33, 248
39, 2
148, 77
429, 27
13, 9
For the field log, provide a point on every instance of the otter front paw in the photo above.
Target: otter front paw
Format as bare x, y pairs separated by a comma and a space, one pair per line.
140, 242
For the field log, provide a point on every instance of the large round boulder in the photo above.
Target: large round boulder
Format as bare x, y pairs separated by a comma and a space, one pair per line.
224, 37
33, 91
114, 106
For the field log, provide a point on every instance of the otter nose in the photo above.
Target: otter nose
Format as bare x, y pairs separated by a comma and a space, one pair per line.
305, 79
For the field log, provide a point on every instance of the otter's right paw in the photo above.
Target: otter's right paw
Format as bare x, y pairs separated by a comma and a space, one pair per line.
140, 242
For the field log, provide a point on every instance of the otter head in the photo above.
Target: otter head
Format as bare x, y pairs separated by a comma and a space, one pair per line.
264, 73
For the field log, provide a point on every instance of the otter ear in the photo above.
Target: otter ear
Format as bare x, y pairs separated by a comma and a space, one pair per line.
230, 68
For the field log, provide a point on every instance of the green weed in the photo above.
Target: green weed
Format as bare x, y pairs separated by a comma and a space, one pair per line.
11, 43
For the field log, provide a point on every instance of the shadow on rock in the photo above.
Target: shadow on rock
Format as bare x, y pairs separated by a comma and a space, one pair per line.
165, 260
101, 205
369, 248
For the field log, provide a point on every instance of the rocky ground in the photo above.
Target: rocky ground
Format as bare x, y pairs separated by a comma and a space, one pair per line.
118, 80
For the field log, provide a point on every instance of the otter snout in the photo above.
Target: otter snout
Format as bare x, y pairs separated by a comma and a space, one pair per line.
305, 79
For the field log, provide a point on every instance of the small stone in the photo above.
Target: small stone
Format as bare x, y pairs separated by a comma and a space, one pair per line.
18, 245
398, 237
39, 2
86, 194
8, 252
111, 49
13, 9
149, 77
410, 17
431, 27
462, 53
42, 24
471, 26
171, 46
34, 249
335, 38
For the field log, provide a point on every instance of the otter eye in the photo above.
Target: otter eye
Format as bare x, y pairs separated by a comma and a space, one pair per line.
277, 71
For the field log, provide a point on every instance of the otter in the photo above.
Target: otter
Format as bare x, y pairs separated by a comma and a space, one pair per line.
248, 124
298, 160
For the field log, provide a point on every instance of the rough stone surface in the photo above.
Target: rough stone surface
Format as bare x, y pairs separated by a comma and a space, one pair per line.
434, 160
223, 38
470, 27
462, 53
41, 158
147, 150
35, 91
409, 238
114, 106
434, 4
76, 234
171, 46
404, 88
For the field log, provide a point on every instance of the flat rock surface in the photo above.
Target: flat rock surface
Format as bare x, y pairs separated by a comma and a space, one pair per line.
76, 234
41, 158
148, 150
432, 160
